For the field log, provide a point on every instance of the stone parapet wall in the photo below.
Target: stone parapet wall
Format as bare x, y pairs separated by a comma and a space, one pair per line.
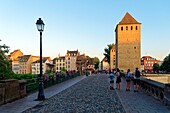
156, 89
167, 94
11, 90
2, 93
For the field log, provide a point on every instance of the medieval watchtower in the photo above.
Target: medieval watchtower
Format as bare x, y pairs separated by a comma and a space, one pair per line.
128, 43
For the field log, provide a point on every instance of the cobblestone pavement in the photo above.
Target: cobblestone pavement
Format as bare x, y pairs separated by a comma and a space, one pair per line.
28, 102
140, 102
91, 95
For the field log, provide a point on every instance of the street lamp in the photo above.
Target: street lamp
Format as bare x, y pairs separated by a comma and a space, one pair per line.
40, 26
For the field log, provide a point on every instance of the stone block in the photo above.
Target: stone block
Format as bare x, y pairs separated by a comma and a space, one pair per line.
11, 90
167, 94
22, 88
2, 93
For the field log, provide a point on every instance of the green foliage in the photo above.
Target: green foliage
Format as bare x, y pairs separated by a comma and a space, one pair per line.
24, 76
107, 52
166, 64
96, 62
156, 67
5, 68
63, 69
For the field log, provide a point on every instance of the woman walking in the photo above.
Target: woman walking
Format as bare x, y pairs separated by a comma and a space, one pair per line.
118, 80
128, 77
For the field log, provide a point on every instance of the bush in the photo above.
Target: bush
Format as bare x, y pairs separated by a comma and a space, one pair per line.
24, 76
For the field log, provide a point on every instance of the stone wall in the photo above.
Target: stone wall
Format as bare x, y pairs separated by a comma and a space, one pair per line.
128, 47
167, 94
2, 93
11, 90
156, 89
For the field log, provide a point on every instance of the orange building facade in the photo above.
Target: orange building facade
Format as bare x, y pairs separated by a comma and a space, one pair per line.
147, 63
128, 43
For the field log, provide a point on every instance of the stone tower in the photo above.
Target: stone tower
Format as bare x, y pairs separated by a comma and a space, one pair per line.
128, 43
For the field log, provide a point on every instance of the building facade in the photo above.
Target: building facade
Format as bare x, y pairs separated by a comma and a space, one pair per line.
147, 62
25, 64
70, 60
128, 43
113, 57
14, 60
59, 63
35, 66
105, 64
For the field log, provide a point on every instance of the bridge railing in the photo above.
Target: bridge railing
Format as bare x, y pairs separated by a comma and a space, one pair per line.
156, 89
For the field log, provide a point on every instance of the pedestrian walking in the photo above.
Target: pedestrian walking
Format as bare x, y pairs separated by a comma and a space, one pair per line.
118, 80
128, 79
136, 76
111, 76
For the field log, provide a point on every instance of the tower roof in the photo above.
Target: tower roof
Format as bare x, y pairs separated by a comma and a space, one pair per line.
128, 19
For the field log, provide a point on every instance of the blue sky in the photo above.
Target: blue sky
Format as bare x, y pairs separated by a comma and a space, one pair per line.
86, 25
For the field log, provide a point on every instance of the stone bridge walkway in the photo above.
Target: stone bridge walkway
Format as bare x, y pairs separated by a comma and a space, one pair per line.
87, 95
139, 102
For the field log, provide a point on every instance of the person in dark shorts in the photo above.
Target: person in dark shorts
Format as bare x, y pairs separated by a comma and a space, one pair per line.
111, 76
128, 78
136, 80
118, 80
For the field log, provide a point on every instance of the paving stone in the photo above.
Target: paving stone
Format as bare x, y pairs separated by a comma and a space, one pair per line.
91, 95
139, 101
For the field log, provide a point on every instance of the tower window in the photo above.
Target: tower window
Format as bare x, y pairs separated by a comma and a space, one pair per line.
121, 28
136, 27
131, 27
126, 27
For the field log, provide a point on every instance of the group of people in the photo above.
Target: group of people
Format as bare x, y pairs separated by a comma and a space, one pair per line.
117, 74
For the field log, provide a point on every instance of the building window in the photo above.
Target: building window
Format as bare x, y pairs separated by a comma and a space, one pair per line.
126, 27
136, 27
131, 27
134, 47
121, 28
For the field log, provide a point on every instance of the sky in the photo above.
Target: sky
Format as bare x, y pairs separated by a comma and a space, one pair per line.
86, 25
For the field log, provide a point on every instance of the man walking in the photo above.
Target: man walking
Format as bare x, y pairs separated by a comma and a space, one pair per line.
136, 76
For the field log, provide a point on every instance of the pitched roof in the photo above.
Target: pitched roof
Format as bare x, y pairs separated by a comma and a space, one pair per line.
72, 52
128, 19
24, 58
44, 59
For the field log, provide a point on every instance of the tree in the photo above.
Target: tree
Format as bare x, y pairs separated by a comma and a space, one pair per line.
156, 67
107, 52
96, 62
5, 69
166, 64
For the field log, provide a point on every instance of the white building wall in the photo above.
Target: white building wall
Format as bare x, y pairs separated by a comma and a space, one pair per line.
15, 68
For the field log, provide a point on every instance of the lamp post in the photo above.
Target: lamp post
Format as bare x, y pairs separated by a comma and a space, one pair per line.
40, 26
